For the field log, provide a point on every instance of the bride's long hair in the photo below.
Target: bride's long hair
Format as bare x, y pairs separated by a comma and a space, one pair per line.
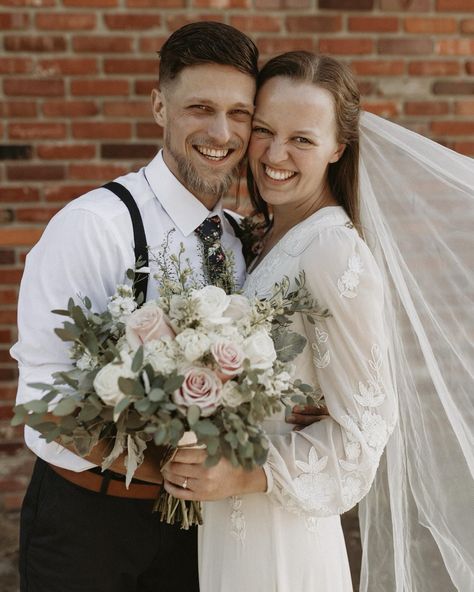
335, 77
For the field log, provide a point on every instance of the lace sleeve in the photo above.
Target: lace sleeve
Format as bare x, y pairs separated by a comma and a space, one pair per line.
327, 467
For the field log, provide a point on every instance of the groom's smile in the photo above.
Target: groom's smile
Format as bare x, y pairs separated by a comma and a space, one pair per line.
206, 114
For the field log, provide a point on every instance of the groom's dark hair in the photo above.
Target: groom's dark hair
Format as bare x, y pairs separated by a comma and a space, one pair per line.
207, 43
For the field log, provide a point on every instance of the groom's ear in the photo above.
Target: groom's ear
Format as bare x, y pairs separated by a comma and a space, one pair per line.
338, 153
158, 106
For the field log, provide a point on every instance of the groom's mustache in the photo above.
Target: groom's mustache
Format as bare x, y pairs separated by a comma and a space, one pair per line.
209, 143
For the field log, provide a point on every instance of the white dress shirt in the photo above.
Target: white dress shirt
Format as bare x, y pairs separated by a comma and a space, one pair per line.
85, 250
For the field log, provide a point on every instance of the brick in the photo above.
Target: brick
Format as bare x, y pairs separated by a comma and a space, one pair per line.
35, 172
382, 108
99, 87
346, 46
132, 21
257, 23
455, 5
426, 108
8, 296
149, 130
102, 44
464, 107
144, 87
274, 45
127, 109
35, 214
7, 256
14, 20
156, 3
453, 128
378, 67
65, 151
16, 65
100, 172
13, 109
307, 24
64, 193
12, 502
453, 87
21, 194
5, 335
406, 5
455, 47
8, 317
33, 87
35, 44
17, 236
100, 130
69, 21
151, 44
179, 20
434, 68
8, 373
15, 152
221, 4
409, 87
128, 151
130, 66
347, 4
7, 216
373, 24
467, 26
430, 25
466, 148
67, 66
45, 131
405, 46
32, 3
470, 67
92, 3
70, 108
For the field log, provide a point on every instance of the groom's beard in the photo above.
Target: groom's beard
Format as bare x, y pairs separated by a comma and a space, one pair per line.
191, 178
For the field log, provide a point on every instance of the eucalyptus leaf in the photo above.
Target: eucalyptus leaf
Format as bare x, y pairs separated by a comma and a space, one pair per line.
156, 394
288, 345
205, 427
122, 405
126, 385
137, 362
193, 414
65, 407
36, 406
173, 383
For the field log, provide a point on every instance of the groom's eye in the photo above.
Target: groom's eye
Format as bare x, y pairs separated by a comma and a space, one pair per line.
201, 108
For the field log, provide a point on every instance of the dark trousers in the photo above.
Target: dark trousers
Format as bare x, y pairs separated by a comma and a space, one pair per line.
75, 540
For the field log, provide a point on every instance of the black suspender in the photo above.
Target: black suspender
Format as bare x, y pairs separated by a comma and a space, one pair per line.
140, 283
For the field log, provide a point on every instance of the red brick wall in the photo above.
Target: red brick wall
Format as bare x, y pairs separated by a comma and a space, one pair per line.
75, 81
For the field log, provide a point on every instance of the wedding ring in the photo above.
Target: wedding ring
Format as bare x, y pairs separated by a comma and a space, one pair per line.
185, 484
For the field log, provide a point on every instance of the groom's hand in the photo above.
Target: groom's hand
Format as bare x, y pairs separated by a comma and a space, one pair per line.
209, 483
307, 415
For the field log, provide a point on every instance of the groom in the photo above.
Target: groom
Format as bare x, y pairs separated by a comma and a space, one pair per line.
83, 530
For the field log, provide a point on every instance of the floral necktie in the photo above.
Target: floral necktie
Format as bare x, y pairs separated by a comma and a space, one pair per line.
215, 263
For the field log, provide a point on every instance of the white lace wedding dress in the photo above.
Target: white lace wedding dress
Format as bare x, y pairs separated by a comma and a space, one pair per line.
289, 539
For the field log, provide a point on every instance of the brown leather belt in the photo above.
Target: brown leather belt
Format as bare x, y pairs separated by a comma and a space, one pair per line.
116, 488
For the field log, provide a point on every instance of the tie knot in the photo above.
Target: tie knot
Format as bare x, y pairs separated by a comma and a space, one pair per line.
210, 231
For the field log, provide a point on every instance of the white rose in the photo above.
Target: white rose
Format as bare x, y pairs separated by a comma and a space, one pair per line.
211, 303
231, 395
194, 344
260, 350
106, 382
239, 308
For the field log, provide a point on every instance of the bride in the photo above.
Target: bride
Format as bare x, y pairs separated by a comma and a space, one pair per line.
278, 528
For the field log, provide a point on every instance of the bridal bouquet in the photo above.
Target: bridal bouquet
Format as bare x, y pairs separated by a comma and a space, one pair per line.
196, 365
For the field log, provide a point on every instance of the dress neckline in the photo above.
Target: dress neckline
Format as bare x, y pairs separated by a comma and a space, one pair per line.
325, 212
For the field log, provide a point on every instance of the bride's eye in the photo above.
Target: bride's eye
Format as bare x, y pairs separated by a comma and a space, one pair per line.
301, 140
261, 130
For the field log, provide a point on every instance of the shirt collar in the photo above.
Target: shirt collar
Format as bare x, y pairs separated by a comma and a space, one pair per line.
184, 209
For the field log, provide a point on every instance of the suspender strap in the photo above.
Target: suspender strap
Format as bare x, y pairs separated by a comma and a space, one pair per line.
140, 283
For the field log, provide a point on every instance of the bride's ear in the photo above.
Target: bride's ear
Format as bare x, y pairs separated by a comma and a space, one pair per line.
338, 153
158, 106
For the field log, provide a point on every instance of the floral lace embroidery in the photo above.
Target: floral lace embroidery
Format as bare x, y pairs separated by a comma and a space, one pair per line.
313, 487
349, 280
237, 518
321, 356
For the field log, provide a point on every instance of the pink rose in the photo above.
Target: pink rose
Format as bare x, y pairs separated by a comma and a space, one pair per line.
147, 324
201, 387
229, 358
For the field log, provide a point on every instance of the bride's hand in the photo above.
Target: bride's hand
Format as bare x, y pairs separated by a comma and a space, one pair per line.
209, 483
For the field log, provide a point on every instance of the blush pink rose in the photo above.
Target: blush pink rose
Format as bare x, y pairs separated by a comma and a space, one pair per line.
147, 324
201, 387
229, 358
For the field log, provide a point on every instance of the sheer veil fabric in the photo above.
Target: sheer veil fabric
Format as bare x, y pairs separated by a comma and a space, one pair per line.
417, 522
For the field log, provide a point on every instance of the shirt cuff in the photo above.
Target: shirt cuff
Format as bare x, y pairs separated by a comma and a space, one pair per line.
269, 476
